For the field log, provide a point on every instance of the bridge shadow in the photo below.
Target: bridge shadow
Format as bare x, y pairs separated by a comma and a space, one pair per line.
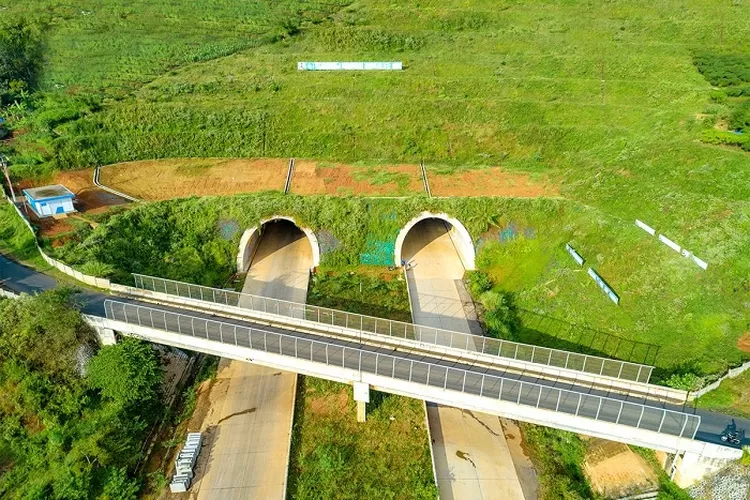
546, 331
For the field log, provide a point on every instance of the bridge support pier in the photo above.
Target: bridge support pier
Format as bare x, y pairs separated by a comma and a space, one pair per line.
106, 336
689, 468
362, 397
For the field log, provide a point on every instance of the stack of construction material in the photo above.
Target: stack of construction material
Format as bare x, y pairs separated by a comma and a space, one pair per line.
185, 463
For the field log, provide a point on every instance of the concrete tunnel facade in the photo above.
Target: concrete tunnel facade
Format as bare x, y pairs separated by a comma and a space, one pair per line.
251, 238
458, 233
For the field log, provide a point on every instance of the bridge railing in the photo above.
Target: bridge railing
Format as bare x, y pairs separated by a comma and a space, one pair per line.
475, 383
485, 345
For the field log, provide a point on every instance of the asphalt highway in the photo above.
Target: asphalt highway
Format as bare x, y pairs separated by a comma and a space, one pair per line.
18, 278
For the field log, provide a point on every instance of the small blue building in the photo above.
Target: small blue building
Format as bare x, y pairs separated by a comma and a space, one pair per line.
50, 200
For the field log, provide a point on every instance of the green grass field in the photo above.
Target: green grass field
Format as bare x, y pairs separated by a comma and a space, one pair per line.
603, 99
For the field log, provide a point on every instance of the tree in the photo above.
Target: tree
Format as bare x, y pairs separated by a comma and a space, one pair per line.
44, 330
127, 373
20, 56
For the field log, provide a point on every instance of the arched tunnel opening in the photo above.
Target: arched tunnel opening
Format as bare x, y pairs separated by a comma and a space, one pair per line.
438, 240
278, 256
436, 250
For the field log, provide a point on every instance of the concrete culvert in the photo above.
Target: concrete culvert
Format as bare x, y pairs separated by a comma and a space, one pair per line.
262, 242
443, 237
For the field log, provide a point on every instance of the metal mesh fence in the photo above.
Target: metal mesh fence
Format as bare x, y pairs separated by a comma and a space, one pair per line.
471, 382
502, 348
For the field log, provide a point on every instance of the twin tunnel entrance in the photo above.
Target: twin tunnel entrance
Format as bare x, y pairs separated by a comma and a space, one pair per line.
436, 238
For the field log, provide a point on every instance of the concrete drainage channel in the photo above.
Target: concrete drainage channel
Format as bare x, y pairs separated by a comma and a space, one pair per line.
289, 175
97, 173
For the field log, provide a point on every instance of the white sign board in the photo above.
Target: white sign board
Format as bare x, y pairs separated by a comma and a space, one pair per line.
599, 281
574, 254
645, 227
350, 66
671, 244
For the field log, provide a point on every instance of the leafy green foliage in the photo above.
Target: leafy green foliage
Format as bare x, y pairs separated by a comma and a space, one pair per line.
685, 381
722, 137
20, 57
559, 457
479, 282
64, 441
500, 315
724, 70
128, 373
740, 118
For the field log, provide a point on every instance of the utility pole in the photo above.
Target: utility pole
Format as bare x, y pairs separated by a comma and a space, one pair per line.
4, 166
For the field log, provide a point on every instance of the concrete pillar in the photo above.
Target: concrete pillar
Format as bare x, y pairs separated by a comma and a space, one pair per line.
361, 412
362, 397
106, 336
689, 468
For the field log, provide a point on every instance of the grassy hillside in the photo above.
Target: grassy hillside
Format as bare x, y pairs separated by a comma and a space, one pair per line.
603, 98
694, 317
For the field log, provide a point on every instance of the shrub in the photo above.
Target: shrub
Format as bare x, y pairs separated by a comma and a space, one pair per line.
724, 70
501, 315
20, 56
740, 118
684, 381
719, 96
721, 137
479, 282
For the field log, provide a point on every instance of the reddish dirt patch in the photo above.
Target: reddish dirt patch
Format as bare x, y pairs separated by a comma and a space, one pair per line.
183, 177
743, 344
492, 181
614, 470
89, 200
336, 179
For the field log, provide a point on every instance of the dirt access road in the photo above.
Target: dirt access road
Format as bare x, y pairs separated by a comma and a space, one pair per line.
472, 458
249, 427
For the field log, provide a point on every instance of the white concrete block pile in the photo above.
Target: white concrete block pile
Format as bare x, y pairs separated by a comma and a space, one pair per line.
184, 464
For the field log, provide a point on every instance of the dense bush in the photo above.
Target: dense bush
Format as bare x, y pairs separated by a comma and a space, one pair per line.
20, 58
722, 137
500, 316
723, 70
740, 118
64, 436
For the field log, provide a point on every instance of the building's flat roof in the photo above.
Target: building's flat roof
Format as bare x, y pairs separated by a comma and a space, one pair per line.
45, 192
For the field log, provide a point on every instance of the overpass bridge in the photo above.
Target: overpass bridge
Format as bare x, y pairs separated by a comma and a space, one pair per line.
555, 404
630, 379
463, 381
